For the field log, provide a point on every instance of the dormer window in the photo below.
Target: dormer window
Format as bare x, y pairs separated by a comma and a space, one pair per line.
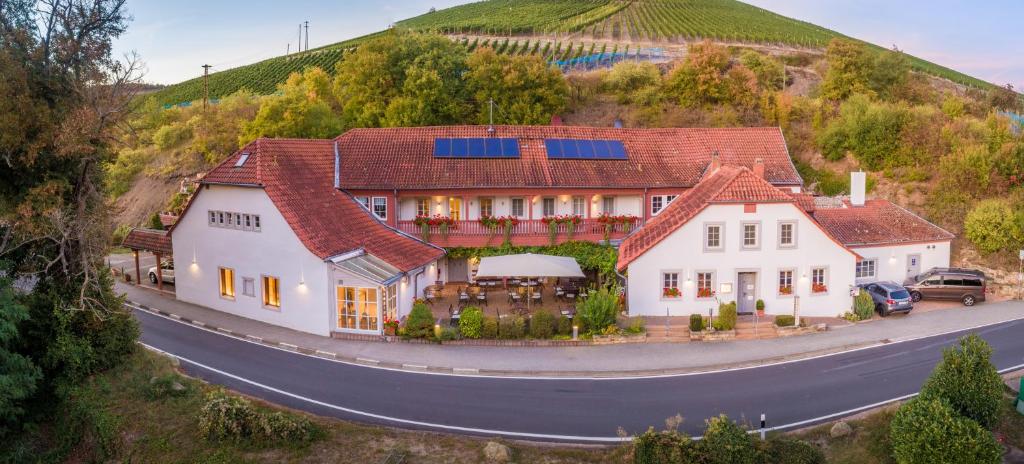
242, 159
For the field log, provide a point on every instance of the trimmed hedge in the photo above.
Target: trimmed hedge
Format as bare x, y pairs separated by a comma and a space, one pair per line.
511, 327
696, 323
420, 323
928, 430
785, 320
542, 324
726, 316
490, 328
471, 322
863, 306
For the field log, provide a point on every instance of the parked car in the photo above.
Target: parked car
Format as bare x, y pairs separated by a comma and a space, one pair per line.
167, 272
948, 283
889, 297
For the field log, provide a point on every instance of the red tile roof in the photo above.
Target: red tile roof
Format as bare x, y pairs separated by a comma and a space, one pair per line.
878, 222
156, 241
298, 176
402, 158
728, 184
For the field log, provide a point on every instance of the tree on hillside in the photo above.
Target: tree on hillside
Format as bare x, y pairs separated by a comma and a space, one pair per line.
849, 70
63, 97
402, 78
770, 72
889, 72
303, 107
525, 88
631, 81
1005, 98
993, 226
216, 132
707, 76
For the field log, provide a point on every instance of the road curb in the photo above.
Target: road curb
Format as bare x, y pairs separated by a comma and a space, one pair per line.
421, 368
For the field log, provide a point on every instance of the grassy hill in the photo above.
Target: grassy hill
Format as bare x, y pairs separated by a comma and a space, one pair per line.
521, 26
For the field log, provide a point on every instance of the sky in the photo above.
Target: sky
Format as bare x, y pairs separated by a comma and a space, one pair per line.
174, 38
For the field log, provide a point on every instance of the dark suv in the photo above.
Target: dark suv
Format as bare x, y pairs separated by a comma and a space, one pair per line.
948, 283
889, 297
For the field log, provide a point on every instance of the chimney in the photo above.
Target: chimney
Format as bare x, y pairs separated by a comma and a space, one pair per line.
858, 188
759, 168
715, 162
337, 167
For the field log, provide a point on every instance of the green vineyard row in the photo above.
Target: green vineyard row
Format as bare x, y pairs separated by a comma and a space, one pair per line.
555, 29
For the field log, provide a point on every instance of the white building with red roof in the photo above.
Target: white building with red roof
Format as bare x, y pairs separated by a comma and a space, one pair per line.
339, 235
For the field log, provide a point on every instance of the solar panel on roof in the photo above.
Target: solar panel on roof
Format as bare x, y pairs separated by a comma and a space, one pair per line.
442, 147
459, 148
491, 147
476, 148
585, 149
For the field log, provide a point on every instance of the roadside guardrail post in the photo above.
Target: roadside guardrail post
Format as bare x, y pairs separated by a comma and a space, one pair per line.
763, 424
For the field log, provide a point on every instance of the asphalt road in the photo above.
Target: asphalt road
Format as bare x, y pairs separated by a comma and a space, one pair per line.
576, 410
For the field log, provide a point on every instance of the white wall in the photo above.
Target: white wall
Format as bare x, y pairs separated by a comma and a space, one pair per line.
274, 251
683, 252
892, 260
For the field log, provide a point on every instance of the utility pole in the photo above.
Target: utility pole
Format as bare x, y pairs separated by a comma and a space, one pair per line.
288, 49
206, 85
307, 35
300, 37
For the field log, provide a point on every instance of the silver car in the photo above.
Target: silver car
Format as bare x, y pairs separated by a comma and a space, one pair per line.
889, 297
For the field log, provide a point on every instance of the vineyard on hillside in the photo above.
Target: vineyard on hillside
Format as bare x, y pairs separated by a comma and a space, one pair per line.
261, 78
558, 31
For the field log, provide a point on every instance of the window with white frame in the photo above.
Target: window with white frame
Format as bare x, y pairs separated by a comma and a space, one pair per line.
786, 282
423, 207
705, 284
579, 206
670, 285
819, 280
608, 205
866, 268
365, 201
518, 209
232, 220
713, 236
380, 207
659, 202
751, 235
249, 286
486, 207
787, 234
548, 207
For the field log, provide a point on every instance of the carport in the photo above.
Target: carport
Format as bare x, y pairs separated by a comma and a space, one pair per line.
151, 241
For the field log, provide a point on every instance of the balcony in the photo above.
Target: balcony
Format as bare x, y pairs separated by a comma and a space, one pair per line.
525, 233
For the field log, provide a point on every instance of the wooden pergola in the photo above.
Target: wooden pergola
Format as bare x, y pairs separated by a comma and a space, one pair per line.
153, 241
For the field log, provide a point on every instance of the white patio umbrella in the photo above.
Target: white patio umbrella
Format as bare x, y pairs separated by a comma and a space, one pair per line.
528, 265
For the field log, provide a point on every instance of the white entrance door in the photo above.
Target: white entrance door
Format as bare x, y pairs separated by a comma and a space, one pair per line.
913, 265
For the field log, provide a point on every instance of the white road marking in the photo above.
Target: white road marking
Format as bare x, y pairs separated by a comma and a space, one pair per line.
597, 377
506, 433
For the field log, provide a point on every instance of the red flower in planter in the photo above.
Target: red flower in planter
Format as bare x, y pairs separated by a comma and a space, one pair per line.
670, 292
819, 288
705, 293
786, 290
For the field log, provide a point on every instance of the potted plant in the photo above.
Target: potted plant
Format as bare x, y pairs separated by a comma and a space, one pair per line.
390, 326
819, 288
670, 292
785, 290
760, 307
571, 221
552, 223
424, 222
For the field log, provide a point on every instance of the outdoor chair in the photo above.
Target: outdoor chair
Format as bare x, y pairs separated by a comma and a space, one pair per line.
482, 297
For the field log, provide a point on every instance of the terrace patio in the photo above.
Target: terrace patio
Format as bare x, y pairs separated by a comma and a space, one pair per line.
495, 298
